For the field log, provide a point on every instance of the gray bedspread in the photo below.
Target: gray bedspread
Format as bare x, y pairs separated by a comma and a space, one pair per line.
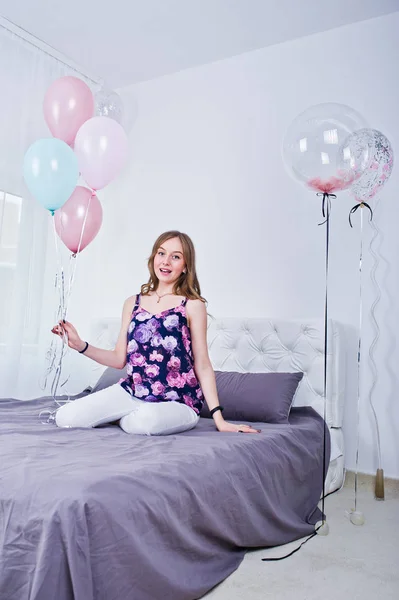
100, 515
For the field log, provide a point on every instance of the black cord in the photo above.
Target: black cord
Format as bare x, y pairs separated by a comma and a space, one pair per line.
325, 209
354, 209
293, 551
327, 222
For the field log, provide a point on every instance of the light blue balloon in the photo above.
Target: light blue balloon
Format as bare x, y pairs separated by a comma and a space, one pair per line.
51, 172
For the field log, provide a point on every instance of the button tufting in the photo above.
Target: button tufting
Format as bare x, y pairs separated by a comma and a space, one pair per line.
234, 345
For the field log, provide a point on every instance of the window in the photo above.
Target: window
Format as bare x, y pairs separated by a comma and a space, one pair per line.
10, 219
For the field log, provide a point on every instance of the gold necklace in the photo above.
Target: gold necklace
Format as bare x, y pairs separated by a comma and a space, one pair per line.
163, 295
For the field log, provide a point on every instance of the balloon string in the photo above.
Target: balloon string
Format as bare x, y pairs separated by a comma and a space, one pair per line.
60, 271
376, 255
327, 208
374, 342
359, 355
50, 354
326, 205
55, 361
354, 209
75, 255
60, 312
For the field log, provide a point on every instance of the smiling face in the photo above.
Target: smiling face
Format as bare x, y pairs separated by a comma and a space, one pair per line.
169, 261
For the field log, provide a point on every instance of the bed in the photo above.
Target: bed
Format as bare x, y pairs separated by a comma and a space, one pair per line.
100, 515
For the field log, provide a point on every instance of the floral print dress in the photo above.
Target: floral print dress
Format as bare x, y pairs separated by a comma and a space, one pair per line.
160, 358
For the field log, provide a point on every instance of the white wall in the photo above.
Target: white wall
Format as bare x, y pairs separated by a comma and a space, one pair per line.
205, 158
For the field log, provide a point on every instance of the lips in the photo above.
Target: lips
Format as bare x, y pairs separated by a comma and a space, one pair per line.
165, 271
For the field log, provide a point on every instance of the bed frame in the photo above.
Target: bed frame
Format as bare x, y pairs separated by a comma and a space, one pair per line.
265, 345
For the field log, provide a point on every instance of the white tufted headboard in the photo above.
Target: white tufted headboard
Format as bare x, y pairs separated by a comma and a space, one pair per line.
265, 345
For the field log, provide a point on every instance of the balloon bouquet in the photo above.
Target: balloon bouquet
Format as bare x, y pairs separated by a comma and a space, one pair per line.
330, 149
88, 141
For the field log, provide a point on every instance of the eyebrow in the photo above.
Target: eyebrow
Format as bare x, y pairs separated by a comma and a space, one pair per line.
175, 252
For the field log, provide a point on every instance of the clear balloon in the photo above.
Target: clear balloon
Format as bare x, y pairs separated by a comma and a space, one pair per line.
356, 147
380, 166
68, 104
109, 104
50, 172
312, 147
79, 220
101, 146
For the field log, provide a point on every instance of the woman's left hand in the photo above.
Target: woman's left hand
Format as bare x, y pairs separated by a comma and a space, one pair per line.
225, 426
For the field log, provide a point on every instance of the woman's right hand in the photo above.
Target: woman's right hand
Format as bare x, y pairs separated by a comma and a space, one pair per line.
65, 328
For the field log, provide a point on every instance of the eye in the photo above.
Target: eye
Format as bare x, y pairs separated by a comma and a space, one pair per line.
160, 253
176, 257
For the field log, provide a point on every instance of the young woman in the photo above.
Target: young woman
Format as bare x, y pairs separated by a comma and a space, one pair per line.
163, 341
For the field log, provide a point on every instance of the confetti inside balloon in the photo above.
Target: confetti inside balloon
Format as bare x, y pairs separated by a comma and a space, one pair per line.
109, 104
380, 165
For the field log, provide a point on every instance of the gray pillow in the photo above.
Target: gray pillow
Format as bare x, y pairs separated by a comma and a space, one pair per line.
255, 397
108, 378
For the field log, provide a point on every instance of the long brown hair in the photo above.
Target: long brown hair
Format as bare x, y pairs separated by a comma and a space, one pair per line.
187, 285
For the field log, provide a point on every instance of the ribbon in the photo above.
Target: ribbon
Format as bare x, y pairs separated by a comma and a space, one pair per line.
326, 202
359, 205
325, 209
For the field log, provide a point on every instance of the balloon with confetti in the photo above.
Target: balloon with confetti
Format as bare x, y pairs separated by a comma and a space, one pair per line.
380, 165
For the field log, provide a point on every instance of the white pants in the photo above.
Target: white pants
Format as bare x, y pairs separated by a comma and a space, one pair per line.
136, 416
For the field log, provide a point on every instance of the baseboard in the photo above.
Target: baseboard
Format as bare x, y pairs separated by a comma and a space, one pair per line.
366, 482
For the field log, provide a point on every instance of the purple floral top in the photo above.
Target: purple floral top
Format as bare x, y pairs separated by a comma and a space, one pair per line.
160, 358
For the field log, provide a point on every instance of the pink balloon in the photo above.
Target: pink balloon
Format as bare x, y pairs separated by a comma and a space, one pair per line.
68, 104
101, 146
70, 219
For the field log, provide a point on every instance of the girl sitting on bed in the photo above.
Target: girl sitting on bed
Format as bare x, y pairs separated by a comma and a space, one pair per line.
163, 342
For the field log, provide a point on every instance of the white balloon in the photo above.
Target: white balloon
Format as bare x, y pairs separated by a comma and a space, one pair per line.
109, 104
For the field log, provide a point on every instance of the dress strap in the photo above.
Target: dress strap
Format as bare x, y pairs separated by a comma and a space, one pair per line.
184, 302
137, 303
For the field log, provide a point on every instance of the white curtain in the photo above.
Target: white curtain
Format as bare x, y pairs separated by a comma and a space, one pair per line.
25, 73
